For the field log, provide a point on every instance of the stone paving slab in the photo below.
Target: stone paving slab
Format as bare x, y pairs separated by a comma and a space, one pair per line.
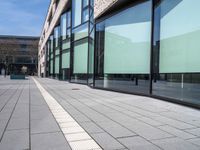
175, 144
138, 143
15, 139
46, 141
107, 141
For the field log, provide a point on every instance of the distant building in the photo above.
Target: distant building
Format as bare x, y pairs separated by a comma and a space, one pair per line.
17, 52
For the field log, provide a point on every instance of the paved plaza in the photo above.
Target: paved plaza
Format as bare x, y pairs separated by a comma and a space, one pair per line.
32, 112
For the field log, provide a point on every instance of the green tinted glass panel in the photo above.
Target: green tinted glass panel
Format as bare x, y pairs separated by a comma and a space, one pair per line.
66, 60
80, 58
56, 36
81, 32
127, 41
51, 44
57, 51
51, 66
52, 56
66, 46
57, 65
179, 39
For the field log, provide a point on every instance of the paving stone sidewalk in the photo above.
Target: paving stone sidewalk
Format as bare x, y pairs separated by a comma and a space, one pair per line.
122, 121
115, 121
25, 119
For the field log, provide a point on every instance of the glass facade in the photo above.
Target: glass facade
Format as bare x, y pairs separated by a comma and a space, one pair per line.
76, 12
132, 48
48, 46
66, 45
80, 57
80, 41
51, 56
123, 50
57, 36
63, 23
91, 45
177, 50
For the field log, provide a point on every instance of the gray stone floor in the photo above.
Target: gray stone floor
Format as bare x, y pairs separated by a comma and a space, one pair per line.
115, 121
25, 119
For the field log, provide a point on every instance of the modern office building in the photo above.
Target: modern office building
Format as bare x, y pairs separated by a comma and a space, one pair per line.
17, 52
145, 47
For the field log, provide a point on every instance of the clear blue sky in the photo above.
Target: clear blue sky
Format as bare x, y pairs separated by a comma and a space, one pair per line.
22, 17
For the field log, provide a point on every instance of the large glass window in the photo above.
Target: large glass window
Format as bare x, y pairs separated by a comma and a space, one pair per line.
48, 45
67, 30
127, 42
68, 19
80, 61
64, 26
80, 12
65, 60
57, 64
80, 57
179, 46
81, 32
85, 10
76, 12
177, 50
56, 36
51, 55
91, 46
57, 52
66, 46
123, 50
51, 66
80, 39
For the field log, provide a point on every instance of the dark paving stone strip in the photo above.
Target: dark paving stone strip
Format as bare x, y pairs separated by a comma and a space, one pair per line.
11, 113
9, 98
5, 90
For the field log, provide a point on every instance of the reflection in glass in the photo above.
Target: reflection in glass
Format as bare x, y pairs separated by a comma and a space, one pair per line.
177, 50
68, 19
85, 15
80, 61
56, 36
80, 57
65, 60
64, 26
51, 55
76, 12
81, 32
123, 50
85, 3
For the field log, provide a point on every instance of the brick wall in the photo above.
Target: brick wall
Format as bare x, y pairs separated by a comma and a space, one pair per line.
102, 5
